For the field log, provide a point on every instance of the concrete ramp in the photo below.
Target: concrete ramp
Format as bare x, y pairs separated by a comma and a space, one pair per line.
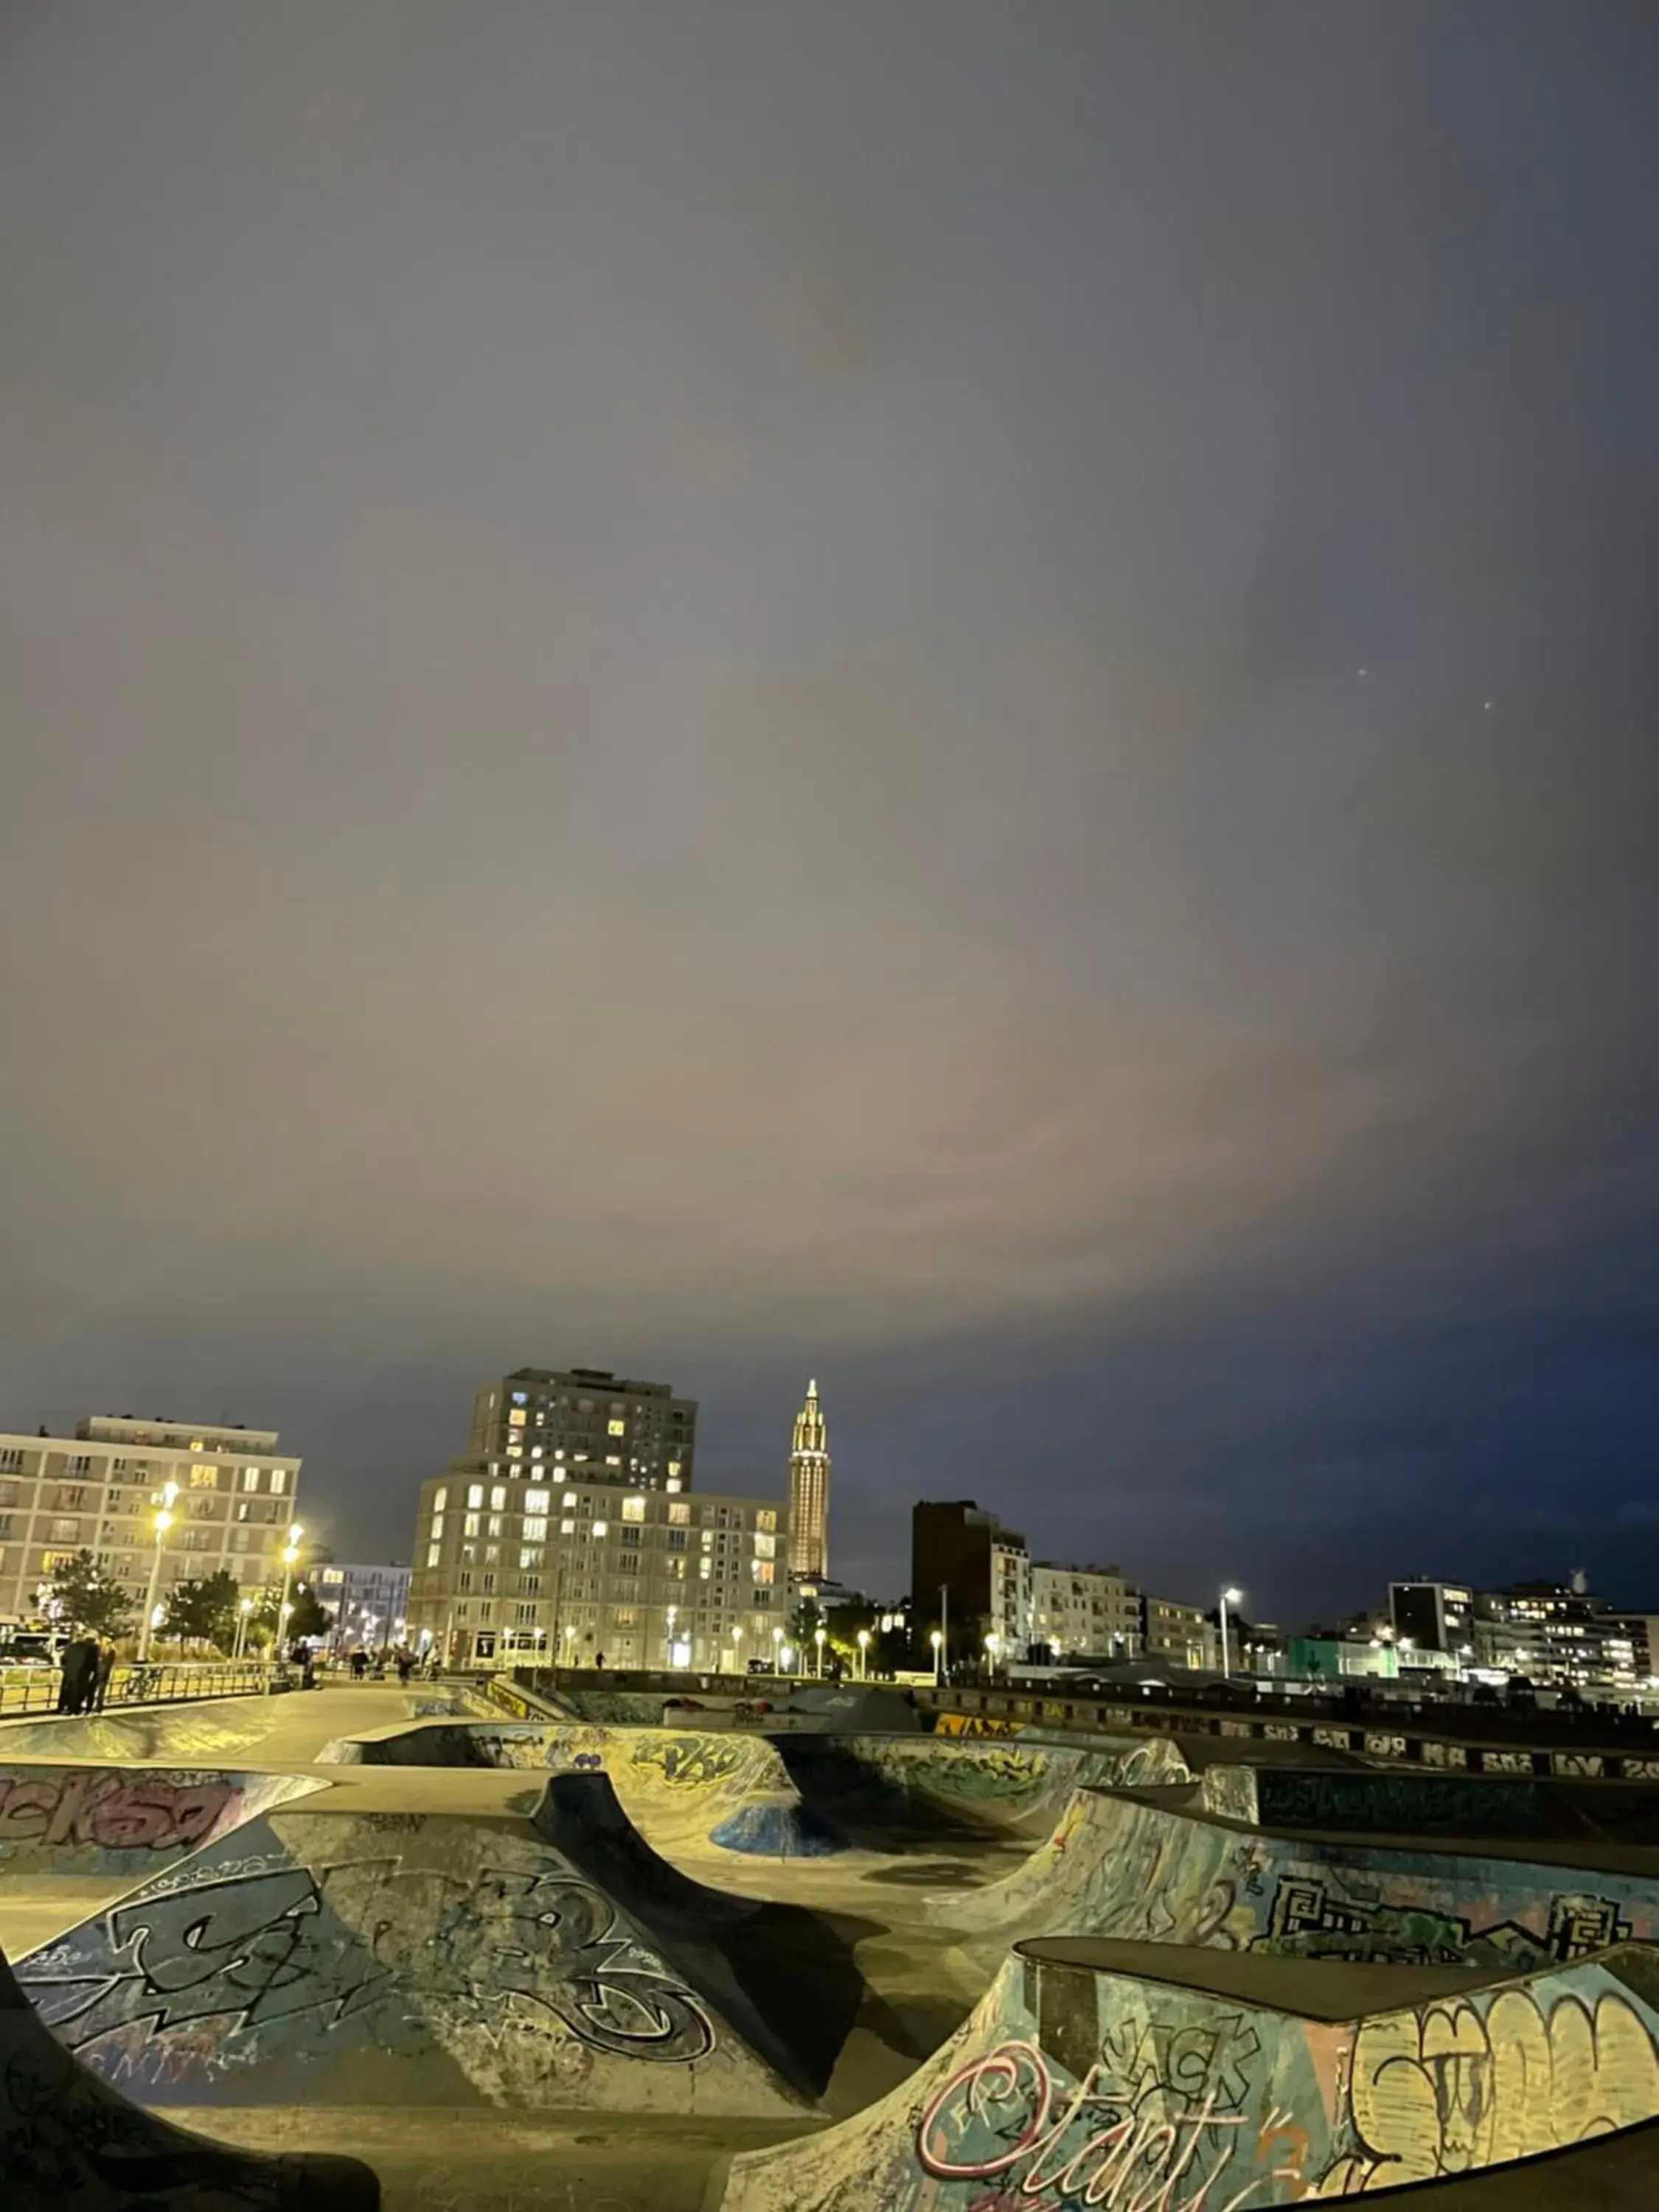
781, 1976
1124, 1867
124, 1821
1085, 2077
68, 2141
389, 1958
213, 1733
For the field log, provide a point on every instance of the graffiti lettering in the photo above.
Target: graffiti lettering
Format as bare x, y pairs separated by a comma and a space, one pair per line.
997, 2114
102, 1810
1310, 1917
976, 1724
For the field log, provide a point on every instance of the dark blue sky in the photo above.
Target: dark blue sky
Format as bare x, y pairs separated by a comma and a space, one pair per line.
957, 696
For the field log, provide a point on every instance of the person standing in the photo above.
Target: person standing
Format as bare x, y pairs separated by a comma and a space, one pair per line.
75, 1686
103, 1667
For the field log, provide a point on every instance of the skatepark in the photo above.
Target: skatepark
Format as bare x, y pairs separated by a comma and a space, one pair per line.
405, 1946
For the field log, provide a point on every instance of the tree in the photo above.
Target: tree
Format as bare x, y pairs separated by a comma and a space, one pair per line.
90, 1599
204, 1610
307, 1618
803, 1623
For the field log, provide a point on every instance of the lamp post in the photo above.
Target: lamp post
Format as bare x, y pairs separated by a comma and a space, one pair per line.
241, 1626
669, 1639
777, 1651
817, 1638
1227, 1597
937, 1642
290, 1554
864, 1655
992, 1643
163, 1523
737, 1650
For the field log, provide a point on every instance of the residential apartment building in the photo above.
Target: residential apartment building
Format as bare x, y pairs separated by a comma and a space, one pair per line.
98, 1491
587, 1423
1557, 1634
958, 1549
1177, 1635
1088, 1612
1428, 1616
508, 1572
370, 1604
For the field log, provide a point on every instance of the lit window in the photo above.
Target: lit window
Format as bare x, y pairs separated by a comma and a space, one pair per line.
568, 1500
680, 1516
278, 1481
437, 1529
516, 1419
531, 1556
672, 1483
514, 1451
613, 1460
766, 1518
498, 1497
434, 1552
616, 1428
633, 1508
535, 1530
440, 1498
705, 1566
204, 1478
535, 1451
475, 1493
535, 1501
600, 1528
673, 1467
519, 1397
581, 1458
470, 1526
765, 1546
249, 1478
567, 1528
764, 1570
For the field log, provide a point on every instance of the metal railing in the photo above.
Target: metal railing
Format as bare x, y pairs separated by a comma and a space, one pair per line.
36, 1689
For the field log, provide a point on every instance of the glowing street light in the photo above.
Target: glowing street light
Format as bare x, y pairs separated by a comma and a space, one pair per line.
817, 1638
993, 1645
290, 1554
937, 1640
163, 1523
1227, 1597
864, 1655
777, 1651
241, 1627
737, 1650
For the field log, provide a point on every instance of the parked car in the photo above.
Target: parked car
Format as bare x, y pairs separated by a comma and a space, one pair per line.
32, 1647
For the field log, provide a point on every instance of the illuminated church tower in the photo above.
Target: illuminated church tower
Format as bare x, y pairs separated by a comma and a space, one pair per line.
809, 1490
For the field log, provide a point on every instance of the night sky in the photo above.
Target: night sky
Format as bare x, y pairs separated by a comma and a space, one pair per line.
955, 694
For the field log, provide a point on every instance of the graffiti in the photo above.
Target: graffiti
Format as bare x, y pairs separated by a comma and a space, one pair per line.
1386, 1746
110, 1811
1310, 1917
1444, 1754
1006, 2117
1582, 1763
691, 1761
1506, 1762
976, 1724
357, 1942
1397, 1803
1457, 2087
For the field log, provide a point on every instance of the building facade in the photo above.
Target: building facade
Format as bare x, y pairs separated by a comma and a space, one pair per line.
1557, 1634
967, 1570
1087, 1613
809, 1490
1177, 1635
1428, 1616
589, 1424
370, 1604
514, 1569
99, 1491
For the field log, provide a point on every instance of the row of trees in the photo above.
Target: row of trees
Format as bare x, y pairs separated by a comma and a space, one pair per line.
204, 1611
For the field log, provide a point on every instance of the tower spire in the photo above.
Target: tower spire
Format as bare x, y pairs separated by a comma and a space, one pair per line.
808, 1490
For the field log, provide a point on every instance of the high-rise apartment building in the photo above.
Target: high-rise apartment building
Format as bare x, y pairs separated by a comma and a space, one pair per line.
369, 1603
579, 1573
589, 1423
98, 1491
808, 1490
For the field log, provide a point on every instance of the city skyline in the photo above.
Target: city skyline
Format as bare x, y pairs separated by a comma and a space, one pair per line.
952, 696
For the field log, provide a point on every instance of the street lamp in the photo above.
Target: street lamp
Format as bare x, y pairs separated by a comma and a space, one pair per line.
817, 1638
937, 1642
241, 1627
864, 1655
1227, 1597
777, 1651
669, 1638
290, 1554
163, 1523
992, 1644
737, 1650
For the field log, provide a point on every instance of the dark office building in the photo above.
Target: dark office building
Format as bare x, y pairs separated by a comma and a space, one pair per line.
956, 1546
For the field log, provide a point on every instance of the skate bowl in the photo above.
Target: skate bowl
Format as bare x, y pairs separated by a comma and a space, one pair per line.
1122, 2074
68, 2139
133, 1821
878, 1783
1127, 1867
373, 1959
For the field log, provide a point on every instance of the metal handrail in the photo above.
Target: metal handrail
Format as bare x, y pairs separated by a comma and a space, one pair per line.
158, 1682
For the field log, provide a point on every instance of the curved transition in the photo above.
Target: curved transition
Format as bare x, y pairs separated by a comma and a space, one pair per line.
1087, 2076
68, 2139
1124, 1868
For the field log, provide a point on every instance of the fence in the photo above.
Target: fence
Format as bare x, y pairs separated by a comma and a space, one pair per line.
34, 1689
